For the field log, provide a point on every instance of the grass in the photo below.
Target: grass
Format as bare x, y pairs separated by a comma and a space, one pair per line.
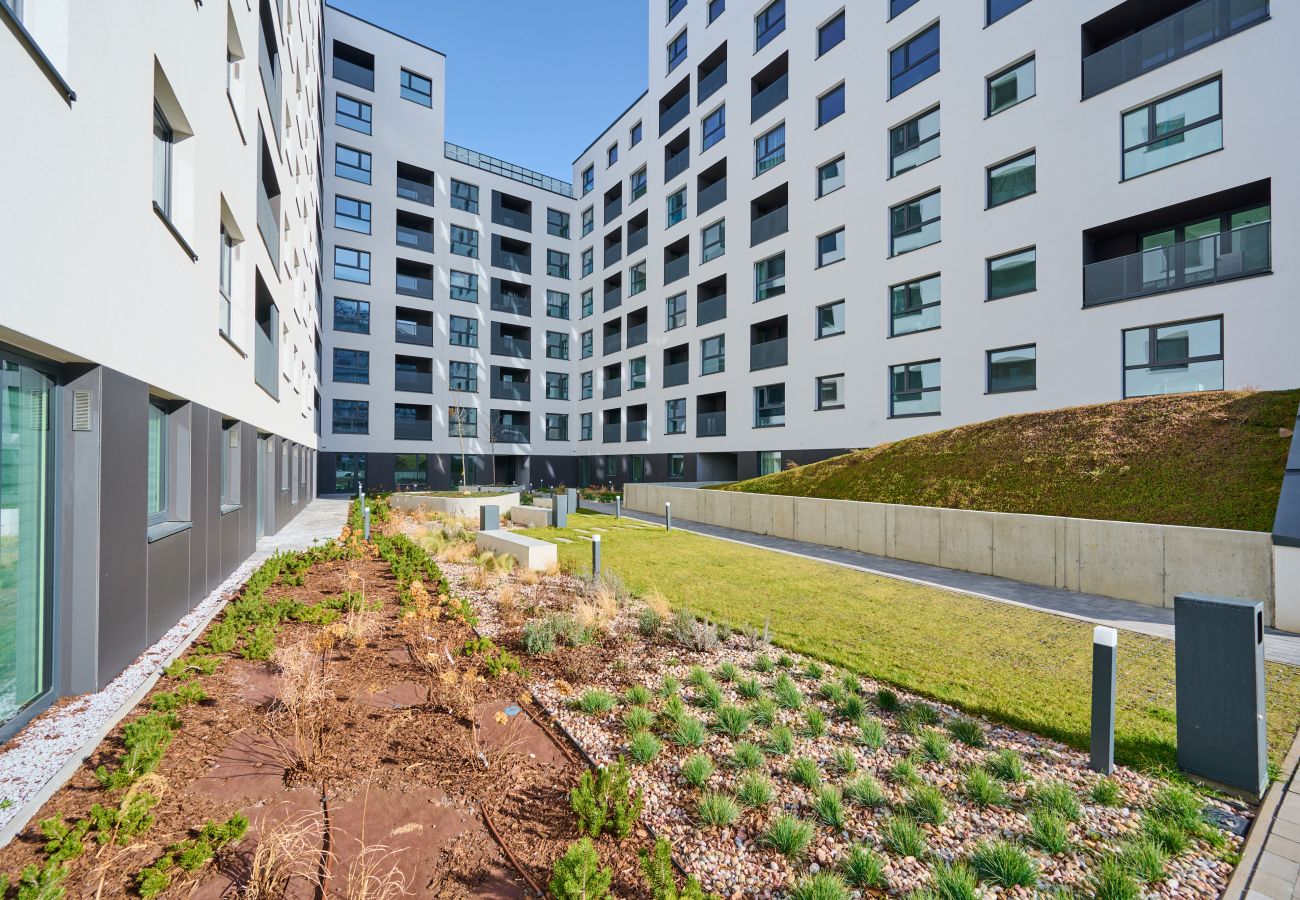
1028, 669
1219, 463
903, 837
697, 768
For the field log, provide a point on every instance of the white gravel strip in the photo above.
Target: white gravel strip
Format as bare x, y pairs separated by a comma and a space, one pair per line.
41, 757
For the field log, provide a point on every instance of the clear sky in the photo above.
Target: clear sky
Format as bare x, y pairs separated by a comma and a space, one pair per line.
529, 81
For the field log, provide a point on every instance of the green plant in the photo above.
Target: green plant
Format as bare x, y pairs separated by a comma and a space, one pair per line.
539, 637
822, 886
785, 661
813, 670
845, 761
982, 789
1106, 792
673, 712
904, 772
637, 695
749, 688
145, 740
1110, 881
728, 672
670, 686
644, 747
709, 695
954, 881
657, 866
63, 842
648, 622
851, 707
223, 636
698, 676
1144, 859
1178, 806
887, 700
968, 731
780, 742
1048, 831
731, 721
916, 716
260, 644
804, 771
754, 789
829, 807
1004, 864
189, 666
696, 769
786, 693
123, 822
831, 691
863, 868
577, 875
638, 718
190, 692
865, 790
903, 837
596, 702
692, 633
788, 835
716, 810
1172, 838
36, 883
925, 804
1057, 797
871, 733
690, 732
763, 663
745, 755
763, 712
190, 855
604, 801
814, 723
934, 745
1006, 765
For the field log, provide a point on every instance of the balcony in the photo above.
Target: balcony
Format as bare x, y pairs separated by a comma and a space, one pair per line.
677, 262
712, 309
412, 333
612, 388
612, 433
268, 224
415, 184
1171, 38
510, 390
676, 164
613, 298
769, 225
413, 429
613, 343
677, 374
266, 362
613, 209
410, 284
710, 83
769, 98
416, 382
1215, 258
711, 424
269, 68
711, 196
674, 113
613, 254
512, 212
638, 430
414, 238
505, 345
768, 354
512, 302
511, 261
637, 334
511, 434
637, 239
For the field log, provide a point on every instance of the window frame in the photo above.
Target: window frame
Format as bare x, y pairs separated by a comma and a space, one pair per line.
470, 245
990, 19
760, 158
908, 366
988, 179
362, 156
909, 147
409, 88
1150, 108
361, 256
334, 322
988, 273
362, 107
911, 65
361, 206
840, 161
912, 229
820, 259
561, 303
921, 307
989, 111
720, 356
758, 406
452, 287
560, 382
463, 200
720, 242
988, 369
677, 55
160, 412
361, 407
557, 223
470, 331
774, 28
469, 380
821, 406
670, 418
821, 30
670, 314
840, 89
1167, 364
719, 131
758, 284
820, 335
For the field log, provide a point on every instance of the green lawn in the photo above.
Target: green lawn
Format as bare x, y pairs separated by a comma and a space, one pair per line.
1026, 668
1213, 459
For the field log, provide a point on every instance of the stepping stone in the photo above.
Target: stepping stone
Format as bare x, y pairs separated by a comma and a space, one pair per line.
560, 540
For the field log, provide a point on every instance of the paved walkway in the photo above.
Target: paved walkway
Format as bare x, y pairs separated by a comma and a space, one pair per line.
322, 520
1122, 614
1270, 867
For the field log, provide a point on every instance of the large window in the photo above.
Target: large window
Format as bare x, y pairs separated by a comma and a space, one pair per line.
769, 23
464, 286
713, 128
588, 180
769, 462
1011, 86
351, 417
351, 366
830, 319
588, 262
462, 376
352, 164
557, 345
636, 279
914, 61
557, 264
588, 220
676, 207
588, 344
557, 304
462, 421
464, 469
349, 471
411, 470
588, 303
830, 247
914, 142
1178, 128
1012, 179
636, 377
716, 8
585, 424
588, 385
557, 427
713, 354
464, 332
769, 277
914, 224
1173, 358
914, 389
351, 265
830, 34
557, 386
830, 105
464, 196
351, 315
353, 114
769, 150
769, 406
675, 416
713, 240
464, 241
229, 454
914, 306
1013, 369
417, 88
352, 215
1013, 273
675, 307
637, 184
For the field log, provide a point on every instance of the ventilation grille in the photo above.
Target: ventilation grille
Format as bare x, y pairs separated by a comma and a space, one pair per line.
233, 437
81, 412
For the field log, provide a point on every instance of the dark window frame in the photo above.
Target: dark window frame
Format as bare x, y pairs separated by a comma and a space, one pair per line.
908, 367
988, 369
988, 273
917, 307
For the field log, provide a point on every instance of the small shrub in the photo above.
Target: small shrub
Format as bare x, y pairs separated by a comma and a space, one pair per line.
696, 769
925, 804
1048, 831
850, 707
648, 622
814, 723
954, 881
829, 807
690, 732
539, 637
260, 644
1106, 792
904, 773
638, 718
903, 837
716, 810
785, 661
763, 712
934, 746
813, 670
1144, 859
657, 866
864, 869
709, 695
788, 835
595, 702
1004, 864
731, 721
917, 716
865, 790
644, 747
786, 693
887, 700
754, 790
871, 733
145, 740
185, 695
604, 801
822, 886
763, 663
637, 695
727, 672
982, 789
745, 755
1006, 765
804, 771
578, 876
780, 742
127, 820
670, 686
692, 633
698, 676
968, 731
1057, 797
844, 761
1111, 882
750, 689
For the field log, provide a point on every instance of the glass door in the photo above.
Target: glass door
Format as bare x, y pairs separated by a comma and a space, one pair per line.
26, 629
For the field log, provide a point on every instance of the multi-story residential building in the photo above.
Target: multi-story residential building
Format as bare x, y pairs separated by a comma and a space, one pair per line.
824, 225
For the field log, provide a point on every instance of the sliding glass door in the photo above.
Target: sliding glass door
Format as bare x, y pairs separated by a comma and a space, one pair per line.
26, 450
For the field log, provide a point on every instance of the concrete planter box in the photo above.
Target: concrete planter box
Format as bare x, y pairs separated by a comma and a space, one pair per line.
528, 552
530, 516
463, 505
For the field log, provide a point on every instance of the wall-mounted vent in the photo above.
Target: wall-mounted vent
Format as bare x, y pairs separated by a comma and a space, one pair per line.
82, 418
233, 439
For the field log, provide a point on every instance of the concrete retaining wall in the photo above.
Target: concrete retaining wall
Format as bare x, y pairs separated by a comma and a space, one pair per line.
529, 553
530, 517
465, 506
1132, 561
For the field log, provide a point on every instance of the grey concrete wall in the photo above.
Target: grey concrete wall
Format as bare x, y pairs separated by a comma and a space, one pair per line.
1148, 564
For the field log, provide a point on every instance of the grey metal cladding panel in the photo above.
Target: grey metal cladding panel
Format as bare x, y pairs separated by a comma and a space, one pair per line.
1293, 458
123, 554
203, 512
169, 583
1286, 522
550, 470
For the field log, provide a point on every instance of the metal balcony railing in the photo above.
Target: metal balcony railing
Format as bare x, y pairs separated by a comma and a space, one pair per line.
769, 98
414, 238
768, 354
711, 424
417, 382
711, 310
768, 226
676, 374
676, 269
711, 196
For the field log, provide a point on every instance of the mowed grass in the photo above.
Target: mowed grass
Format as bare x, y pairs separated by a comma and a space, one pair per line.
1213, 459
1022, 667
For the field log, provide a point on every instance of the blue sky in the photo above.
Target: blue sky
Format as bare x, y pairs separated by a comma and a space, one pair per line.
529, 81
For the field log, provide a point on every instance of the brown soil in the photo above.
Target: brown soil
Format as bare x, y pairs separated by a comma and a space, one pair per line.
409, 773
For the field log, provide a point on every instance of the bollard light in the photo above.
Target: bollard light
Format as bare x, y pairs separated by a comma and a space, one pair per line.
618, 507
595, 555
668, 516
1104, 672
365, 517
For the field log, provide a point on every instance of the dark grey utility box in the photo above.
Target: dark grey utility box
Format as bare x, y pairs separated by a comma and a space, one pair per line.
1219, 663
559, 510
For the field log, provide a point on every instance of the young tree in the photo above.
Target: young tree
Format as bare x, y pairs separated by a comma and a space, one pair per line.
460, 420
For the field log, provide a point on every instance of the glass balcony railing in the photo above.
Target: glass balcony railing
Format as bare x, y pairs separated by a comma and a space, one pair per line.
638, 430
674, 114
613, 388
637, 239
415, 286
411, 333
769, 98
1208, 260
677, 164
613, 432
511, 434
613, 343
613, 254
711, 196
417, 382
416, 191
711, 310
613, 298
405, 429
676, 269
265, 362
767, 354
768, 226
504, 345
269, 225
510, 390
509, 170
637, 335
710, 83
514, 304
677, 374
711, 424
414, 238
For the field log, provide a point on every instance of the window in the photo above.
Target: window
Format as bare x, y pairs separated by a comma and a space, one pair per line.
769, 462
769, 406
1012, 180
557, 304
713, 128
634, 135
716, 8
1173, 358
557, 427
462, 421
831, 34
586, 426
464, 469
351, 64
611, 155
588, 385
914, 143
225, 280
914, 389
464, 286
636, 279
464, 196
676, 207
557, 345
588, 344
830, 248
464, 332
557, 223
351, 417
636, 373
464, 241
351, 315
230, 460
768, 24
557, 264
588, 180
914, 61
1013, 369
914, 224
676, 466
674, 7
588, 302
462, 376
830, 319
830, 391
830, 105
637, 184
830, 177
351, 164
588, 262
351, 265
714, 240
351, 215
1013, 273
157, 463
353, 114
349, 471
675, 307
769, 150
164, 140
676, 53
417, 88
410, 470
1000, 8
914, 306
1178, 128
713, 354
897, 6
769, 277
588, 220
557, 386
351, 366
1011, 86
